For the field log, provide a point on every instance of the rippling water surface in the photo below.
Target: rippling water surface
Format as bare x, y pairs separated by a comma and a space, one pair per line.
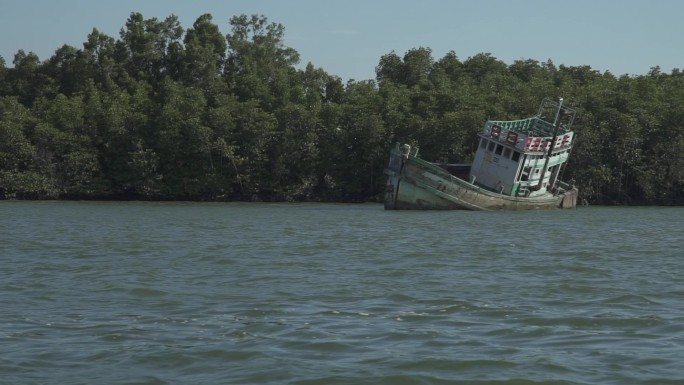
171, 293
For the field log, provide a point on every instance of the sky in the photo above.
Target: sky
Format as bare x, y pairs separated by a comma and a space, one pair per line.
347, 38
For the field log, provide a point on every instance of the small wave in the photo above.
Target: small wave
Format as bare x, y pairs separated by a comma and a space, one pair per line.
147, 292
597, 321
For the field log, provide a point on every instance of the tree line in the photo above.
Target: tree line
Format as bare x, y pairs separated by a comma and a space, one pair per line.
167, 113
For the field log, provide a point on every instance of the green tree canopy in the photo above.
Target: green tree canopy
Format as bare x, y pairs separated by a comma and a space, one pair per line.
163, 112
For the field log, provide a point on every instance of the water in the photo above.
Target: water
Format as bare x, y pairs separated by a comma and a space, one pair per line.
187, 293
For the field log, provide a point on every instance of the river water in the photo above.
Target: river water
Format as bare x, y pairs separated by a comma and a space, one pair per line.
215, 293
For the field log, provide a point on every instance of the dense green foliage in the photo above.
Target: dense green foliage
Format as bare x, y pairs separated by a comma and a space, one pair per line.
168, 113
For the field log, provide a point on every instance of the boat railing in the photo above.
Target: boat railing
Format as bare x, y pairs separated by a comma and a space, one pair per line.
532, 134
565, 186
531, 126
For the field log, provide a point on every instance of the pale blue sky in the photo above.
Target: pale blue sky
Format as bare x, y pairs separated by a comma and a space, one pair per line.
347, 37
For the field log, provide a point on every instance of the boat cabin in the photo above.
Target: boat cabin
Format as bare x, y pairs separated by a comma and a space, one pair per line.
523, 158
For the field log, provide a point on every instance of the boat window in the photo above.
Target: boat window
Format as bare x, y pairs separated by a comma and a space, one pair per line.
516, 156
491, 146
499, 148
507, 153
483, 143
526, 174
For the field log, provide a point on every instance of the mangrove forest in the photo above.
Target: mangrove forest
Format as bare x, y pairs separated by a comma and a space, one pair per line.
168, 113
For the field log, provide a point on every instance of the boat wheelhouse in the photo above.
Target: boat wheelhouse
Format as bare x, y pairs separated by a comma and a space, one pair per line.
524, 158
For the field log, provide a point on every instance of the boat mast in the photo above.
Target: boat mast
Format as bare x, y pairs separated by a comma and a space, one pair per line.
556, 124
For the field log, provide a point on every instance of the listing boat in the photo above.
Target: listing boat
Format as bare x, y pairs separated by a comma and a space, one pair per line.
517, 166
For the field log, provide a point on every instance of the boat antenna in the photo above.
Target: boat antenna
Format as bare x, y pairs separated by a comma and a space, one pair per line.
556, 123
